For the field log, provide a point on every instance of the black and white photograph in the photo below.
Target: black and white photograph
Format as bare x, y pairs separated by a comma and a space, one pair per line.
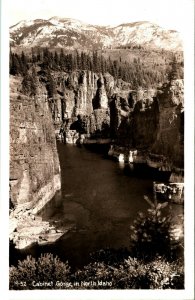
98, 183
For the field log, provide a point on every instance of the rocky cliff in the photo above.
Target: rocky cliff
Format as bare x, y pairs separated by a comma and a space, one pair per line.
34, 164
170, 135
81, 101
147, 120
99, 106
144, 125
152, 123
134, 118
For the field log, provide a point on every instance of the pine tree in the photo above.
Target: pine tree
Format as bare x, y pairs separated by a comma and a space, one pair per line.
23, 64
78, 59
89, 63
33, 56
29, 84
69, 62
152, 233
51, 60
51, 86
95, 62
83, 64
15, 67
62, 59
74, 63
39, 58
173, 74
56, 59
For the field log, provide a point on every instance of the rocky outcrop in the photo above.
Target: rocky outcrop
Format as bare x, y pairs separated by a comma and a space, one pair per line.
34, 163
133, 114
153, 124
174, 192
170, 136
82, 101
71, 137
80, 93
144, 120
26, 228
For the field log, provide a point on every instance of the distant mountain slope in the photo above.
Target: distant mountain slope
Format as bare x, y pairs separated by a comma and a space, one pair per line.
72, 34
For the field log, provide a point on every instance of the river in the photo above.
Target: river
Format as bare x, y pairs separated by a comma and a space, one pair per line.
98, 201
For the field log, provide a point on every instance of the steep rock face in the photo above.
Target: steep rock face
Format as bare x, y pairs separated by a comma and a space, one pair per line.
82, 97
144, 123
34, 164
146, 120
83, 92
134, 117
100, 100
170, 136
153, 124
79, 89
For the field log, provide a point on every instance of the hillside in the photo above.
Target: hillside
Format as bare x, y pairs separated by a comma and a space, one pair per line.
74, 34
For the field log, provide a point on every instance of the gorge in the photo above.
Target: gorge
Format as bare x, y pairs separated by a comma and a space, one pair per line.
93, 102
97, 107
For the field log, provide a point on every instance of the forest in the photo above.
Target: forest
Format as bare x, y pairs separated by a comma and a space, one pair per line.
137, 70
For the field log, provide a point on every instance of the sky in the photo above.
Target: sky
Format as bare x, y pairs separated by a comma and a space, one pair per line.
170, 14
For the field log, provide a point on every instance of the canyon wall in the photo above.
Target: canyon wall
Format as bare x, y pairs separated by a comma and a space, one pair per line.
170, 135
143, 125
148, 120
98, 106
34, 163
80, 97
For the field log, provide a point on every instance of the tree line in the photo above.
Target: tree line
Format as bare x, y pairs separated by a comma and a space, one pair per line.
136, 72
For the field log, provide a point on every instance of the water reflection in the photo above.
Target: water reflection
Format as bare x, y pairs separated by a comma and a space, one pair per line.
121, 165
131, 166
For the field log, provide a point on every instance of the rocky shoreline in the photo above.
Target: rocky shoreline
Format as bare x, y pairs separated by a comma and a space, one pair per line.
172, 191
26, 227
35, 173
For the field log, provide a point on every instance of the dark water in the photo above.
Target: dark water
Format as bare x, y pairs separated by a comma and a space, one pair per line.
98, 201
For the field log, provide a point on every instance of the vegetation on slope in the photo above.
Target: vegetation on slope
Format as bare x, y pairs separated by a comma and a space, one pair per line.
138, 66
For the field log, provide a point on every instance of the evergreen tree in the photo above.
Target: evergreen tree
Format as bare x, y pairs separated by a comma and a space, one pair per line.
62, 59
74, 63
15, 67
173, 74
39, 57
56, 59
33, 56
95, 62
51, 85
89, 63
51, 60
69, 62
153, 233
78, 59
29, 84
23, 64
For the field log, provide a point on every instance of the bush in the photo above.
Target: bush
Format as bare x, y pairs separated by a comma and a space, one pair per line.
110, 256
165, 275
133, 274
130, 273
30, 271
152, 234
